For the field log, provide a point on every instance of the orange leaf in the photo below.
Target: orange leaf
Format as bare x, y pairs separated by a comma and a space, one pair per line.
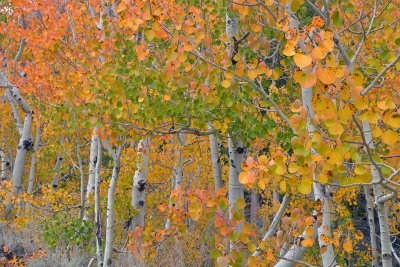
327, 75
302, 60
318, 22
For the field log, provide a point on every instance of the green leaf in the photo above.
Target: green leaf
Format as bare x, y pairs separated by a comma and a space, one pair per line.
222, 204
240, 203
215, 253
234, 236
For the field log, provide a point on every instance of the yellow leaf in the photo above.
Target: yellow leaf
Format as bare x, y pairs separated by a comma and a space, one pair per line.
326, 76
359, 170
256, 28
188, 47
226, 83
361, 103
302, 60
308, 242
304, 188
282, 185
377, 132
318, 52
305, 79
389, 137
217, 125
252, 74
347, 245
336, 129
167, 97
229, 74
243, 178
309, 231
251, 247
359, 235
322, 178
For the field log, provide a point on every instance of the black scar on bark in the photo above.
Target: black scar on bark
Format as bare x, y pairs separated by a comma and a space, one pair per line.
233, 163
141, 203
28, 143
142, 184
240, 150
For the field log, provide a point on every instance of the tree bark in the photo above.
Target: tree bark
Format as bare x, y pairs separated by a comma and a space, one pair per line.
139, 182
33, 161
92, 166
5, 165
25, 144
236, 155
97, 208
328, 258
110, 204
371, 224
380, 206
82, 176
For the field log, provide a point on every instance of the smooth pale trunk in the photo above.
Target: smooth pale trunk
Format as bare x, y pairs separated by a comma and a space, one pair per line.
97, 208
33, 162
5, 165
328, 258
380, 206
56, 176
216, 161
57, 169
82, 176
139, 181
110, 206
24, 143
371, 224
15, 112
19, 164
236, 155
92, 167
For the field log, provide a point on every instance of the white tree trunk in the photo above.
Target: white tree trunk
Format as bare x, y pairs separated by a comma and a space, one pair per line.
216, 161
92, 167
97, 207
5, 165
33, 162
110, 204
139, 182
380, 206
24, 145
236, 155
82, 176
371, 224
328, 258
